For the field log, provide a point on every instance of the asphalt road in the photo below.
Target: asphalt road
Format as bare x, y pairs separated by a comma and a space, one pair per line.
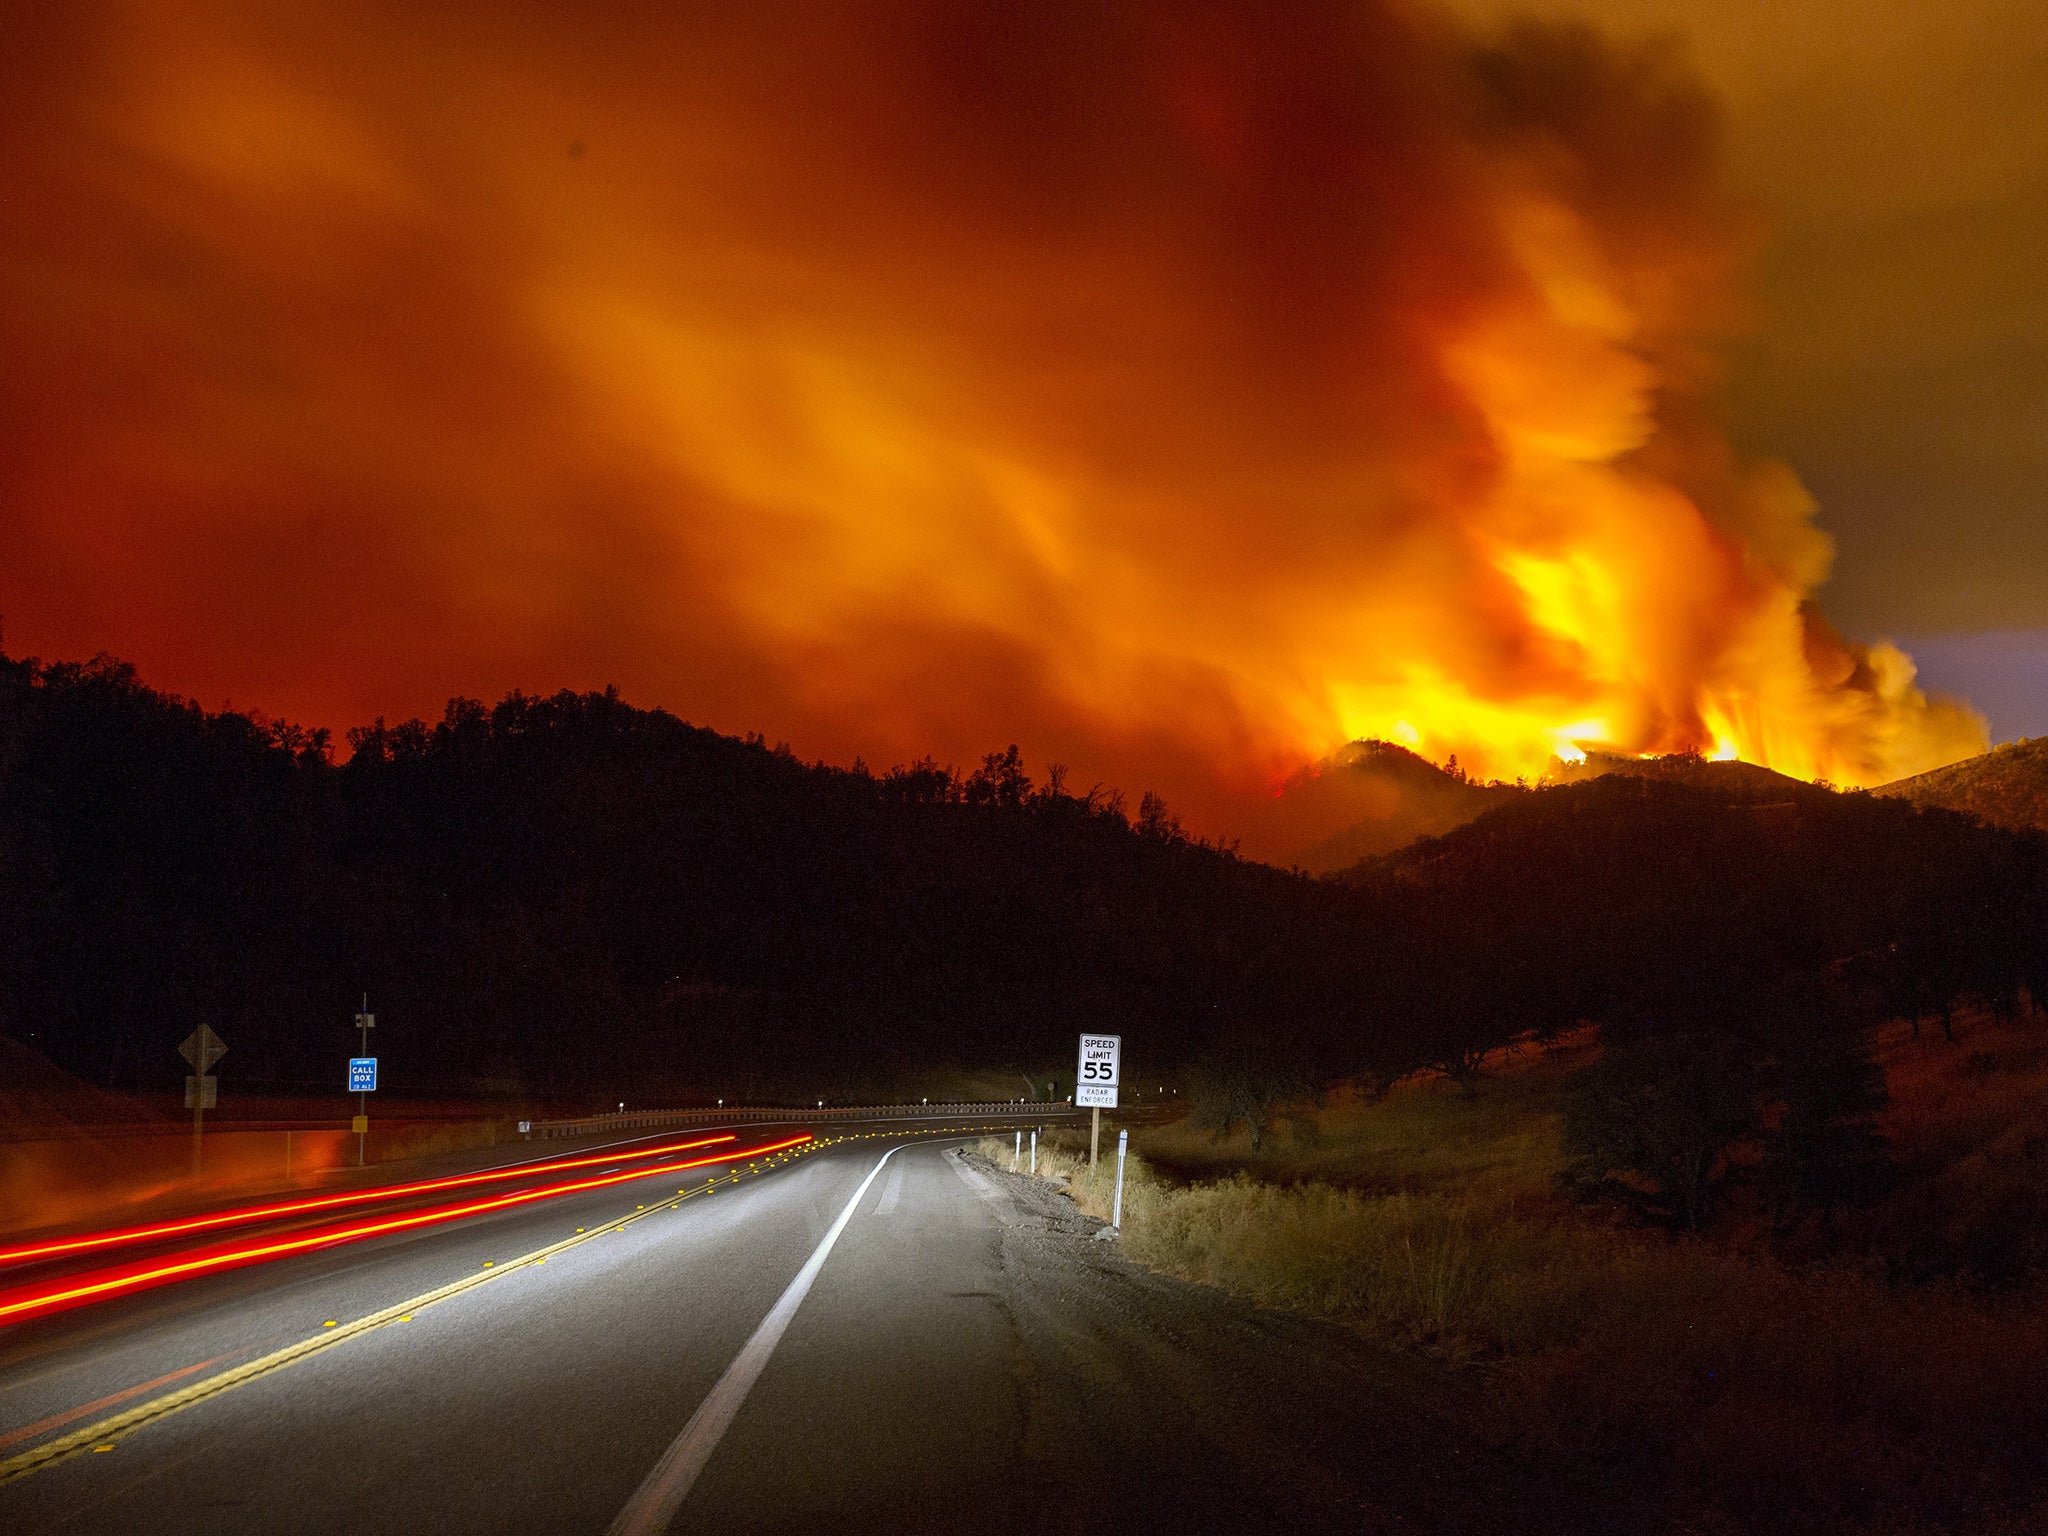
963, 1358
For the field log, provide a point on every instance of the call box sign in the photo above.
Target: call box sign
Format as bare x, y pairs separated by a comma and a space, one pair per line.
1096, 1078
362, 1074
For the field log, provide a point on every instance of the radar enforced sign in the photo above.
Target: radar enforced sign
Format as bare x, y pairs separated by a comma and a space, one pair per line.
1095, 1082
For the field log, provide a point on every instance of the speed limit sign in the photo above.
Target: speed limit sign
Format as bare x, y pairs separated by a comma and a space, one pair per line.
1095, 1080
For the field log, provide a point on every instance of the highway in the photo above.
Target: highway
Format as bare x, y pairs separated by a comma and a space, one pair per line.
866, 1332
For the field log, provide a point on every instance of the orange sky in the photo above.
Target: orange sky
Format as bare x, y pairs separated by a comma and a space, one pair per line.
1176, 390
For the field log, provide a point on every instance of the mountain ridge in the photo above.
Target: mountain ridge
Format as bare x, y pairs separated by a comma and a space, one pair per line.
2005, 787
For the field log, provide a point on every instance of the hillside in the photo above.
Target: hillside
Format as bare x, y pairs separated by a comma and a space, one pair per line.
1879, 1343
1735, 780
42, 1099
1718, 900
1381, 797
2005, 787
571, 893
567, 894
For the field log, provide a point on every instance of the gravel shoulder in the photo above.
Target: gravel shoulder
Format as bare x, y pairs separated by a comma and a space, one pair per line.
1154, 1404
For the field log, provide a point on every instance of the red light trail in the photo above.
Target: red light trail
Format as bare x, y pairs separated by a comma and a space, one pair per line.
118, 1237
27, 1302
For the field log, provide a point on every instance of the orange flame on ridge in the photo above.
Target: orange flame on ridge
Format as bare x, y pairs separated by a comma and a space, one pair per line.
1184, 391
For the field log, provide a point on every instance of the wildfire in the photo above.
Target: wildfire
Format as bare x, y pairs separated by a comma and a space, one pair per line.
1184, 391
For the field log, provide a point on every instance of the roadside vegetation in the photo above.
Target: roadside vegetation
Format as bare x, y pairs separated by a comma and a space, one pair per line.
1738, 1369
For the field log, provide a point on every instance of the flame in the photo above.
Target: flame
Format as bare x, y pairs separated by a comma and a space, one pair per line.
1184, 391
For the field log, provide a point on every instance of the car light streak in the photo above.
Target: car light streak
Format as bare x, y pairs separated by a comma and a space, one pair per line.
24, 1303
118, 1237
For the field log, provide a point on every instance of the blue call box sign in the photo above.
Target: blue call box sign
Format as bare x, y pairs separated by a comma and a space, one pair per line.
362, 1074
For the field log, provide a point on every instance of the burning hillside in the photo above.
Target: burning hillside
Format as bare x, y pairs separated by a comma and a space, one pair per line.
1184, 391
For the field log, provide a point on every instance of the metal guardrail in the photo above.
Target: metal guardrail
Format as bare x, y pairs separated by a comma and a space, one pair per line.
657, 1119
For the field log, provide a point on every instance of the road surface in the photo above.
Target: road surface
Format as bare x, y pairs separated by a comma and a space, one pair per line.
873, 1336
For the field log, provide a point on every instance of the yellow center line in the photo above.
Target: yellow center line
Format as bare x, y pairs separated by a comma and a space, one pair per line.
104, 1434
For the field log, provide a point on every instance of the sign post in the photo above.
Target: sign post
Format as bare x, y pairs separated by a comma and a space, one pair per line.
362, 1079
1116, 1214
202, 1048
1095, 1082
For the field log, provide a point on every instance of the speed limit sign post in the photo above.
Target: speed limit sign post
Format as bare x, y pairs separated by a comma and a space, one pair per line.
1095, 1082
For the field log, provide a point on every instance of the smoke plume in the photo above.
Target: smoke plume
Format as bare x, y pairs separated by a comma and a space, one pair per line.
1181, 390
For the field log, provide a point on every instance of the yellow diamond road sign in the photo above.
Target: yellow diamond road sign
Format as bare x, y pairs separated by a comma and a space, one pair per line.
203, 1048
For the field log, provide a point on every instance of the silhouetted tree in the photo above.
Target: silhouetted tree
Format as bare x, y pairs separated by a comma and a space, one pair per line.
1825, 1151
1652, 1121
1247, 1085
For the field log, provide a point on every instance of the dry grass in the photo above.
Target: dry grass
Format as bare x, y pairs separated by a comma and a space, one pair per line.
1063, 1155
1968, 1123
1423, 1135
426, 1139
1818, 1402
1462, 1276
1951, 1100
1753, 1396
1411, 1268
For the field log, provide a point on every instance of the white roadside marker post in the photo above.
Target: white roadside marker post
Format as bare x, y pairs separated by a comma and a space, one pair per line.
1034, 1151
1017, 1153
1116, 1215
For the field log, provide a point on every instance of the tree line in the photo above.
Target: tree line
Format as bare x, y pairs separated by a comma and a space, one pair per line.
562, 895
559, 896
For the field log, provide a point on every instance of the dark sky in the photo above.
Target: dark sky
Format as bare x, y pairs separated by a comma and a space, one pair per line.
1178, 390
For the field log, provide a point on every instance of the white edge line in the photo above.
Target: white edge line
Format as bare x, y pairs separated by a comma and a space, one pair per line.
655, 1502
892, 1192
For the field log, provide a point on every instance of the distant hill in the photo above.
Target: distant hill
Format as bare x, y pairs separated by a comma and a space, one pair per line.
2005, 787
42, 1099
1387, 797
1390, 798
1746, 782
1706, 893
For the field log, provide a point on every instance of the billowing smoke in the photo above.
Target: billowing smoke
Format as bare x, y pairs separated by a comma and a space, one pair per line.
1181, 390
